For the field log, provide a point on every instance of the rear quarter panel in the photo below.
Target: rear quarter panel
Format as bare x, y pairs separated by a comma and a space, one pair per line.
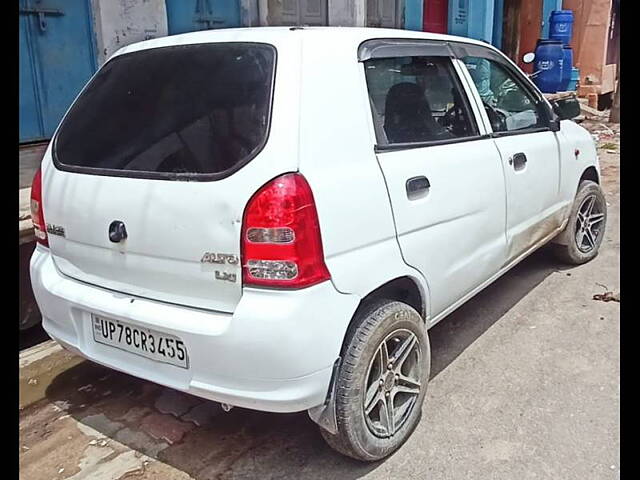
337, 157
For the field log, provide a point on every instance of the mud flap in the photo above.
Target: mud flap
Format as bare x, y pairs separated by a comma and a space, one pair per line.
563, 237
325, 415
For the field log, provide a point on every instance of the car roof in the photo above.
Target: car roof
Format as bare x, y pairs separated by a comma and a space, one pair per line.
331, 37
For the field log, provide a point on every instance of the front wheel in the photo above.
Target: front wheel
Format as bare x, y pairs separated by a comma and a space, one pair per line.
382, 382
582, 237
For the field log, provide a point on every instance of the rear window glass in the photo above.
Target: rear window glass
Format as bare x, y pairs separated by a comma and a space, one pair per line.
189, 109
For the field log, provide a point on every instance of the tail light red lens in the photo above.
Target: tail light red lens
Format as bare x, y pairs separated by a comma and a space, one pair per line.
37, 214
281, 244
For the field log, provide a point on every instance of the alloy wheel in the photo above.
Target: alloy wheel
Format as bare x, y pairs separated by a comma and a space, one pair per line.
392, 383
588, 223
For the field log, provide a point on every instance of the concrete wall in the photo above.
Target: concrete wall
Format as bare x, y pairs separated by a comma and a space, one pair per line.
250, 13
591, 20
341, 13
120, 22
347, 13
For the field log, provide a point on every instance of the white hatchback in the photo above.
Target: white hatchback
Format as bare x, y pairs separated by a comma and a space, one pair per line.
273, 218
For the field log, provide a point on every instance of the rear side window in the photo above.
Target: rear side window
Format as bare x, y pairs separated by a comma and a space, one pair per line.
417, 100
193, 110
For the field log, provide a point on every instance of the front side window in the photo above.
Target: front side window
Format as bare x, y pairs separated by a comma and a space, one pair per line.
508, 105
417, 100
199, 109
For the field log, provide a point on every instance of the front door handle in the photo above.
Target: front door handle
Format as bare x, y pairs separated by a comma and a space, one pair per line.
417, 187
519, 161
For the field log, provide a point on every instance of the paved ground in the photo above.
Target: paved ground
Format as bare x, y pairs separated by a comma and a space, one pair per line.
525, 385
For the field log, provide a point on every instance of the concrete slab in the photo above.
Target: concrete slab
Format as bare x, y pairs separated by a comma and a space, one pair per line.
165, 427
203, 414
176, 403
38, 366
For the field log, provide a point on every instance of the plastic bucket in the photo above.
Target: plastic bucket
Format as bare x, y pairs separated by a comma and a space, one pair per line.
561, 26
548, 65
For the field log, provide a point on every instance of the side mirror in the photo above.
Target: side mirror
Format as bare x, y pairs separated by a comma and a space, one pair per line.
566, 108
528, 57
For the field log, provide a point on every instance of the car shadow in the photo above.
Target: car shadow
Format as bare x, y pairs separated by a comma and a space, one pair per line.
251, 444
453, 334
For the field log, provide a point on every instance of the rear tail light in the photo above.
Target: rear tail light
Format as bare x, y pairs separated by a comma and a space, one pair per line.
37, 214
281, 244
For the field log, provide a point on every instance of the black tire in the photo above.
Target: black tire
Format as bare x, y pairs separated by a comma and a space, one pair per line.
568, 249
380, 322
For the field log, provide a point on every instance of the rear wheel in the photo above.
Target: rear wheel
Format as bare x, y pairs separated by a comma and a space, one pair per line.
584, 232
382, 382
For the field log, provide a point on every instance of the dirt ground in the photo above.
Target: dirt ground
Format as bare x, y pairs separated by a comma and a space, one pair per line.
525, 385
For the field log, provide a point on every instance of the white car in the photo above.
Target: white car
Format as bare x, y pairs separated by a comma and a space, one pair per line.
273, 218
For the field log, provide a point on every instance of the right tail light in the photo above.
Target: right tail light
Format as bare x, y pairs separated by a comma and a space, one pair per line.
281, 244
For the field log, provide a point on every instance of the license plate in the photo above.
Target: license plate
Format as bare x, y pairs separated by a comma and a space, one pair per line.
145, 342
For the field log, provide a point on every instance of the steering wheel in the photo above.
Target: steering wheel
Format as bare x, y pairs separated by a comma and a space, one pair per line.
453, 120
497, 119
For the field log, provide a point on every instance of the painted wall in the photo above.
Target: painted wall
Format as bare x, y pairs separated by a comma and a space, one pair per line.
472, 18
435, 16
548, 6
413, 14
192, 15
498, 16
120, 22
530, 29
57, 57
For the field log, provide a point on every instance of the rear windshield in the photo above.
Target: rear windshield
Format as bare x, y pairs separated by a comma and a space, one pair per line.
184, 110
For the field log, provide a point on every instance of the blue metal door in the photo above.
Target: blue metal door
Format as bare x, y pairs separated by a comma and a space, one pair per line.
190, 15
57, 57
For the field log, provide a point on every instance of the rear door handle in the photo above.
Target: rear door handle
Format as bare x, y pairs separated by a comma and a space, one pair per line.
417, 187
519, 161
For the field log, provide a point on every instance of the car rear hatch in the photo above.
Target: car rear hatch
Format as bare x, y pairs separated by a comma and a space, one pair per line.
167, 144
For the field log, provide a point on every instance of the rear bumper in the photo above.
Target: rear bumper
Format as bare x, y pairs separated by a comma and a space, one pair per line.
274, 353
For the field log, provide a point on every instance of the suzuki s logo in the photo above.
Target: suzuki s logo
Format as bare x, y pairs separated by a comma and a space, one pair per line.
117, 231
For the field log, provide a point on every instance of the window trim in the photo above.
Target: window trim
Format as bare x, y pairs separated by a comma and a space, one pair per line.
399, 47
385, 145
432, 143
523, 131
191, 177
